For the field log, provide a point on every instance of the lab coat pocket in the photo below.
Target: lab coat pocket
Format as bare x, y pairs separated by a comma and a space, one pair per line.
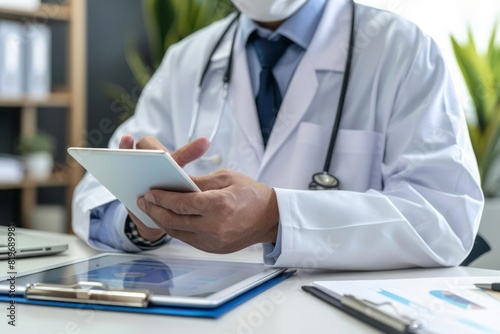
356, 161
308, 154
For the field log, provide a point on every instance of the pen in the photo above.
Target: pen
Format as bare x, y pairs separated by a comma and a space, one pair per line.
488, 286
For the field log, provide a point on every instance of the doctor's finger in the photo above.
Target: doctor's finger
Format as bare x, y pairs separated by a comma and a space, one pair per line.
191, 151
166, 219
194, 203
126, 142
201, 241
150, 143
219, 179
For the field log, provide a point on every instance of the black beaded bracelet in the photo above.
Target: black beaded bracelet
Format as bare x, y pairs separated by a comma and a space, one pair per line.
134, 236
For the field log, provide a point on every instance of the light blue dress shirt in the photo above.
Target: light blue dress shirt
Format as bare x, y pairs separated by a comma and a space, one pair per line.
107, 223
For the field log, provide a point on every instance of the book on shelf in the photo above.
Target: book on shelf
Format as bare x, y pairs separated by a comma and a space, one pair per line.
37, 61
20, 4
11, 169
11, 59
25, 52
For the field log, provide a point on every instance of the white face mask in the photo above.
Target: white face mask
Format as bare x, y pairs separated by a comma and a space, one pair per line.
268, 10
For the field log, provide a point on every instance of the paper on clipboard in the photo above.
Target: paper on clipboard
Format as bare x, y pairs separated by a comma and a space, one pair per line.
444, 305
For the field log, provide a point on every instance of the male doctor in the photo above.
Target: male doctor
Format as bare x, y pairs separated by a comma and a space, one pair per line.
409, 191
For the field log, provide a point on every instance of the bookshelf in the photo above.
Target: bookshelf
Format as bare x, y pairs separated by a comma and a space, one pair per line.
56, 99
45, 11
71, 99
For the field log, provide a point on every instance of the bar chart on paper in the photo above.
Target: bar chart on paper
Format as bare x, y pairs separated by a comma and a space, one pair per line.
442, 305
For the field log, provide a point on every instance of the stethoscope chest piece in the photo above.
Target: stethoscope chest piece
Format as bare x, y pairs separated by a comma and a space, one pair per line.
323, 181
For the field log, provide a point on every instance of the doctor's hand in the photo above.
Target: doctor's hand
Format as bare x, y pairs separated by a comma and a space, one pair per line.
232, 212
182, 156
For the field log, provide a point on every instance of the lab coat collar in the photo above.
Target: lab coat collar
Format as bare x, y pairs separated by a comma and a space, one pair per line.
328, 49
224, 49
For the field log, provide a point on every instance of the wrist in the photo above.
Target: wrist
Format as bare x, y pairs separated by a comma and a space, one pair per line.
272, 217
150, 234
142, 236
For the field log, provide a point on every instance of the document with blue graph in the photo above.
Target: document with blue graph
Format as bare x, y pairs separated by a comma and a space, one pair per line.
441, 305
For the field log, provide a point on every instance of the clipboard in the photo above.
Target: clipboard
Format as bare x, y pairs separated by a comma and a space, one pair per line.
415, 305
153, 309
145, 284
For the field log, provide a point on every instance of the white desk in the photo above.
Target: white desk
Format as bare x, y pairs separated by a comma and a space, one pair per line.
284, 308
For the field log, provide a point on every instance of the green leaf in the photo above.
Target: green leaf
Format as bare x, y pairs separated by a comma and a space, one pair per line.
466, 56
481, 73
158, 17
202, 15
492, 51
142, 73
167, 22
39, 142
126, 103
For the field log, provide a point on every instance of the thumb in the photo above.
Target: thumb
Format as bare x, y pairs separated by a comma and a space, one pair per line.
127, 142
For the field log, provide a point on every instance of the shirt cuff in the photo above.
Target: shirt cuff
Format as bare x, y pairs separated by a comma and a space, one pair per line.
272, 251
107, 228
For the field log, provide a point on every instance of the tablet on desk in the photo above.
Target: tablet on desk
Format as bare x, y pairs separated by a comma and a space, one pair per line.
129, 174
170, 281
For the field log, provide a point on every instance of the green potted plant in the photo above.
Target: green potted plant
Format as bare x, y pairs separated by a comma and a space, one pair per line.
38, 151
481, 72
167, 22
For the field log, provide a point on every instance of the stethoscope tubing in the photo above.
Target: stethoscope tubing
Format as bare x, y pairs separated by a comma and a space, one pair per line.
343, 93
324, 180
226, 79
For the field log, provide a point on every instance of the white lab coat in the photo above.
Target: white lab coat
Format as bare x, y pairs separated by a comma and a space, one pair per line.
410, 193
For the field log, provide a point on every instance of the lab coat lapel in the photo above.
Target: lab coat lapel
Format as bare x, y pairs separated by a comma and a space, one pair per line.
241, 103
327, 52
295, 104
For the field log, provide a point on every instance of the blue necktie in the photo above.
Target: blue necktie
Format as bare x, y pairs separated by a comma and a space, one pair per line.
269, 97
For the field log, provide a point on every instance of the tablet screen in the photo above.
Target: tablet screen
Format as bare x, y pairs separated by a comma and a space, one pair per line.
161, 275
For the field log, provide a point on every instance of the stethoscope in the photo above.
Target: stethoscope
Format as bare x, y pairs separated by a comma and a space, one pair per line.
320, 181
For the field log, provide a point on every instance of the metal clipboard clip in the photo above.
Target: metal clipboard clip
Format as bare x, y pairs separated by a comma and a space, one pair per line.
401, 323
370, 312
89, 293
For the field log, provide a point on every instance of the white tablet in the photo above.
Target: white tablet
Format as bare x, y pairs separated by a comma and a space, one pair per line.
171, 281
129, 174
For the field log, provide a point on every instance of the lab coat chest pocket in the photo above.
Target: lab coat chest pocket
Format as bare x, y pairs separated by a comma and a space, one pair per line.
356, 161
